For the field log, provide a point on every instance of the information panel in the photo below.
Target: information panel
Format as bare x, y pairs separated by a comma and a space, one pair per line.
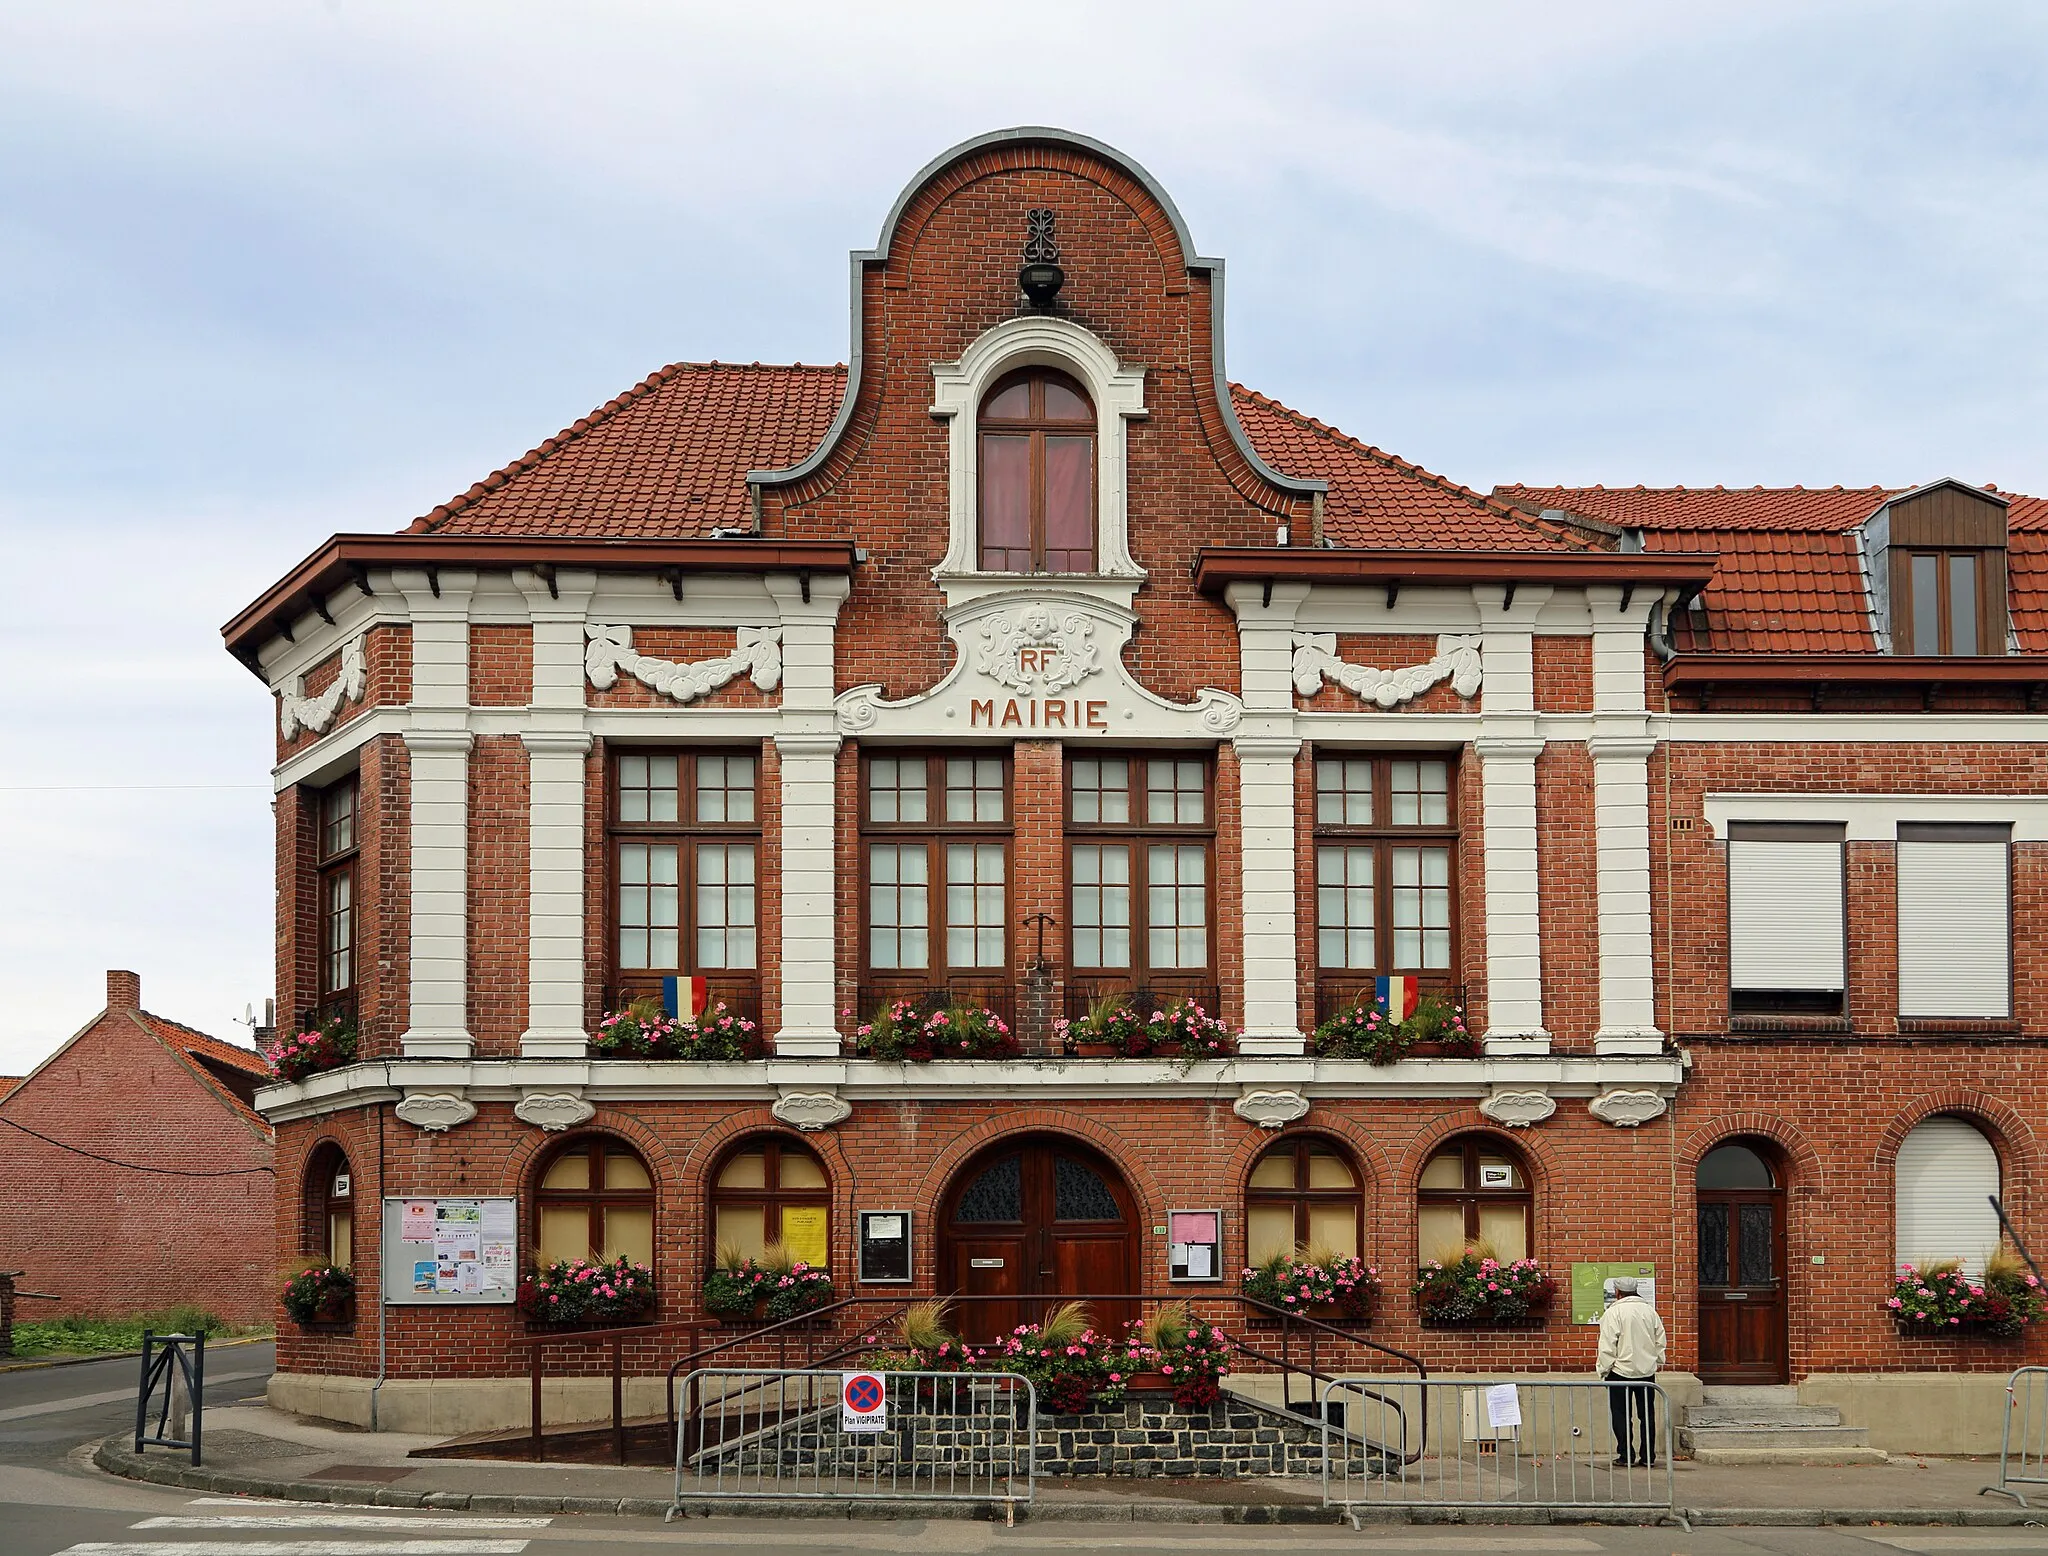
1194, 1245
1593, 1287
441, 1251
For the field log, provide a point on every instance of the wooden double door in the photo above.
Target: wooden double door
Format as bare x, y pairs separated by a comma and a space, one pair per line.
1740, 1191
1032, 1222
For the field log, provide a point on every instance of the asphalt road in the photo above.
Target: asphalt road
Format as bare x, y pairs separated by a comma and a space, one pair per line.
53, 1503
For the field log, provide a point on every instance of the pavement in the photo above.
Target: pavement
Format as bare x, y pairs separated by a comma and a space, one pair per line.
253, 1450
274, 1485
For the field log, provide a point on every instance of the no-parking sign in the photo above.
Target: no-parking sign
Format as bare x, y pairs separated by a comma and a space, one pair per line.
863, 1402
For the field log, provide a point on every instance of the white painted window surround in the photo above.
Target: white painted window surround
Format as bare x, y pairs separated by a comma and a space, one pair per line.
1119, 395
1944, 1177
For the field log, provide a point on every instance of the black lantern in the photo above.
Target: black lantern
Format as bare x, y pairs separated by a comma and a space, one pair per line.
1041, 277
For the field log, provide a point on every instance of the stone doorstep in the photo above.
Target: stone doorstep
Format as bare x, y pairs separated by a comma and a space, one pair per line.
1816, 1457
115, 1458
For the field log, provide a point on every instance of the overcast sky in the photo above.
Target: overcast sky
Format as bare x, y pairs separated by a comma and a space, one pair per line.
274, 269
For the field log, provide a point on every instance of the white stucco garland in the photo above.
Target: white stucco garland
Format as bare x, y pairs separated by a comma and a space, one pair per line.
758, 654
296, 711
1457, 660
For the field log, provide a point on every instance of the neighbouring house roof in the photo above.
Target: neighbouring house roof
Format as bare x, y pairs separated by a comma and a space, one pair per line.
230, 1072
8, 1083
1790, 577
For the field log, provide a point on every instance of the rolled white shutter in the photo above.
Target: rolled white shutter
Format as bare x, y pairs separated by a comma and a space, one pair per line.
1955, 930
1785, 914
1946, 1172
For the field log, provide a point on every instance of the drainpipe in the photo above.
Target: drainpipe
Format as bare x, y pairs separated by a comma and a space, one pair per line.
1660, 630
383, 1307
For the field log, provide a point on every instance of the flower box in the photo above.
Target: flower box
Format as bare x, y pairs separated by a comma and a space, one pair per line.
903, 1031
323, 1297
575, 1292
1340, 1290
1940, 1302
304, 1054
643, 1031
1369, 1031
1184, 1034
747, 1292
1097, 1051
1475, 1291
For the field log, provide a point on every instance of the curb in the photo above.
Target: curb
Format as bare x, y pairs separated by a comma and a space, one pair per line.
116, 1458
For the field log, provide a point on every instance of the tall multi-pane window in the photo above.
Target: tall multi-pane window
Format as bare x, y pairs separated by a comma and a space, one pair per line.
1386, 838
936, 855
595, 1201
1140, 856
1943, 605
336, 850
1037, 455
686, 839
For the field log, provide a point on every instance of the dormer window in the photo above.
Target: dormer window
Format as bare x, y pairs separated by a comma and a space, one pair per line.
1942, 609
1037, 463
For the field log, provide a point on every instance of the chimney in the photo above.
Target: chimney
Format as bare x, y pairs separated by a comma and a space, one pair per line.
124, 990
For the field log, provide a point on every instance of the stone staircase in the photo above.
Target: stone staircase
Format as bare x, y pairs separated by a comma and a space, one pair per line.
1761, 1425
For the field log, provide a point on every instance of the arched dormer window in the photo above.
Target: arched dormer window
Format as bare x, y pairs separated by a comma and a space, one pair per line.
1037, 463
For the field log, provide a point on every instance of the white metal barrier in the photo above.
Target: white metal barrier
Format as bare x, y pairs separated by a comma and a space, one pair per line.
1404, 1443
2023, 1449
757, 1433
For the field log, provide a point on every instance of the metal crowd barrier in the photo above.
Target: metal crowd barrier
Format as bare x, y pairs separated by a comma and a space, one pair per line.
1401, 1443
2023, 1450
177, 1363
755, 1433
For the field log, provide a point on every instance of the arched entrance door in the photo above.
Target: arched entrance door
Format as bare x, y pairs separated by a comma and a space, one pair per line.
1036, 1219
1741, 1195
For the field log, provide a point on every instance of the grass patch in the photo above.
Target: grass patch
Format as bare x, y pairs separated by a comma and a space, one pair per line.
87, 1336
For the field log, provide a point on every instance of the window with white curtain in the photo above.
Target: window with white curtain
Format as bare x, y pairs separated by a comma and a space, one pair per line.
1947, 1172
1955, 920
1787, 938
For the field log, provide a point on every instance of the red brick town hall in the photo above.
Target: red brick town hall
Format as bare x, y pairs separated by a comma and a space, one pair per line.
1020, 815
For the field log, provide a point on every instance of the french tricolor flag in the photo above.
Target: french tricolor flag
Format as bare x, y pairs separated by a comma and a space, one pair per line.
684, 999
1398, 995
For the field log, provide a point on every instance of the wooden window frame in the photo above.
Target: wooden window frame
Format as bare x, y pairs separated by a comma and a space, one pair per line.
1301, 1197
935, 833
1471, 1196
771, 1197
1382, 836
1038, 427
1991, 607
326, 1161
740, 986
1140, 834
596, 1199
331, 866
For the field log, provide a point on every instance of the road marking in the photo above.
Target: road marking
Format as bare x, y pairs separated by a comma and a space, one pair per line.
2004, 1540
1392, 1543
114, 1396
335, 1520
298, 1548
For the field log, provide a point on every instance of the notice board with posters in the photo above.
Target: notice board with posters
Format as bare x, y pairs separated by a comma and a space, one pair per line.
439, 1252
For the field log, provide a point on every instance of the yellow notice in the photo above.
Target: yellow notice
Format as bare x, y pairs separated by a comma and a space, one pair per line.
803, 1233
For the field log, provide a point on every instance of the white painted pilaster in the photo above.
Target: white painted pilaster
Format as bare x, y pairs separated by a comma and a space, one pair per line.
438, 744
1266, 751
1508, 747
1621, 747
556, 748
807, 745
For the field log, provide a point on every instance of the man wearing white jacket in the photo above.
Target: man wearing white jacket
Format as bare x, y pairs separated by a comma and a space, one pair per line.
1631, 1350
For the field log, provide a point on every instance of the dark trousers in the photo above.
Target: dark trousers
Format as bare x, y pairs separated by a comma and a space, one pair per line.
1624, 1403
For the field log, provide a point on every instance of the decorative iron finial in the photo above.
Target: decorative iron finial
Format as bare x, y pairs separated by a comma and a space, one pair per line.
1041, 277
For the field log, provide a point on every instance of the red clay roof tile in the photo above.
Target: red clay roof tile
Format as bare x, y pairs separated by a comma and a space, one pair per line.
1775, 592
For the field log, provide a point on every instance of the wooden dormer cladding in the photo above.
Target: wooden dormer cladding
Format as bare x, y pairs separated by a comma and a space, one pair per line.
1938, 570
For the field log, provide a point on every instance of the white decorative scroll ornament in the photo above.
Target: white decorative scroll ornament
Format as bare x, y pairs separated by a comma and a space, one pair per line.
1626, 1109
1270, 1109
1041, 665
553, 1110
1315, 661
436, 1111
758, 655
297, 711
1518, 1109
811, 1110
